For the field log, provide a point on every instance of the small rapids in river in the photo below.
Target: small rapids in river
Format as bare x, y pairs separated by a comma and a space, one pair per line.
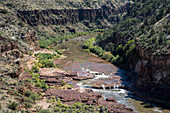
78, 60
121, 95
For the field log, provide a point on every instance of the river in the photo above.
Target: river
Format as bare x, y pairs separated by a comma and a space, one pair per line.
78, 60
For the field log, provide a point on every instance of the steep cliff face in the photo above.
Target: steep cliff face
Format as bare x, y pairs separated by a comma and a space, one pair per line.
153, 66
153, 71
65, 16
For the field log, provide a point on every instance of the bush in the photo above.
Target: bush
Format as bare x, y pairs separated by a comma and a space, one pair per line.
38, 108
119, 49
3, 97
97, 50
45, 59
28, 80
107, 56
30, 53
46, 63
57, 51
44, 111
88, 44
34, 97
29, 100
29, 105
3, 11
44, 86
38, 84
27, 93
115, 59
86, 50
13, 106
35, 68
63, 83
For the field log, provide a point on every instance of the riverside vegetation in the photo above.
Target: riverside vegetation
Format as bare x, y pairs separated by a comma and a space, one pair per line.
144, 28
122, 52
123, 31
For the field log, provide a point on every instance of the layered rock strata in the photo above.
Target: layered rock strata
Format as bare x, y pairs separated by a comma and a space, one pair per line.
65, 16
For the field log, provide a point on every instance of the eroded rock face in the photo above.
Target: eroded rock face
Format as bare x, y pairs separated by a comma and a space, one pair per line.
64, 16
12, 50
153, 70
7, 44
90, 98
74, 96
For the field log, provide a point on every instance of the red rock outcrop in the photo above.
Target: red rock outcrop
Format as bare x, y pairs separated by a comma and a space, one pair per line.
74, 96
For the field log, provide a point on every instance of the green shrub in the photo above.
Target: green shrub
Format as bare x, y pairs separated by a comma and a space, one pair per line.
29, 100
3, 11
0, 106
88, 44
28, 80
77, 104
46, 63
45, 59
38, 108
34, 97
86, 50
57, 51
27, 93
44, 111
38, 84
107, 56
115, 59
30, 53
44, 86
13, 106
3, 97
29, 105
119, 50
35, 68
97, 50
63, 83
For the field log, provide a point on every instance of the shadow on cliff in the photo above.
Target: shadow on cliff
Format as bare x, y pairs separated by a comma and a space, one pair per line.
146, 99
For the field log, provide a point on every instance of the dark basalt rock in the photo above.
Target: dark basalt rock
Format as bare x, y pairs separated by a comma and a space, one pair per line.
111, 99
64, 16
153, 72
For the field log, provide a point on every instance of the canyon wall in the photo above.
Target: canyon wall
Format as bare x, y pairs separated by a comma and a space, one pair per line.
65, 16
153, 71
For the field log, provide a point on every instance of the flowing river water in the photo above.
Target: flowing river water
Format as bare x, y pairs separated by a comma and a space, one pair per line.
78, 60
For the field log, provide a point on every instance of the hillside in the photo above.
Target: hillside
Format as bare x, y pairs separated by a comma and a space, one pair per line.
133, 35
62, 4
141, 42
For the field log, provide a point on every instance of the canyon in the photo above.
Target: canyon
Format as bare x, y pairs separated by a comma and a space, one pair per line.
148, 72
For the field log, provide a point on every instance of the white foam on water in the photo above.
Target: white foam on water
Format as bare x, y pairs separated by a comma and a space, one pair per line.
103, 87
80, 84
83, 86
101, 76
157, 110
97, 74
